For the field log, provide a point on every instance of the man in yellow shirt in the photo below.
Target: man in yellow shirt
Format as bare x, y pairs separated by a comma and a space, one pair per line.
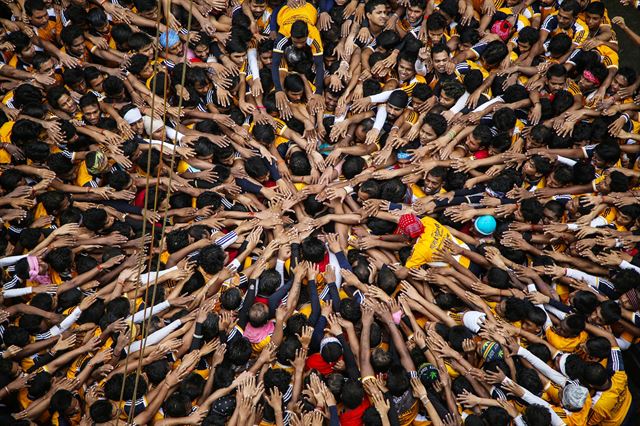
612, 399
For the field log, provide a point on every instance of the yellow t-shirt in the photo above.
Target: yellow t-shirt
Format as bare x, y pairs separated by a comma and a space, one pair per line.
565, 344
428, 243
611, 406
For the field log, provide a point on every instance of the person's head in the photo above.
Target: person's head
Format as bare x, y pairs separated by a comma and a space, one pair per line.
440, 56
415, 11
22, 45
73, 39
494, 54
567, 14
571, 325
527, 38
406, 67
396, 103
606, 155
592, 77
258, 314
352, 394
436, 25
536, 415
90, 109
593, 15
211, 259
376, 12
312, 249
102, 411
596, 376
625, 77
299, 34
36, 11
294, 87
450, 92
595, 349
609, 312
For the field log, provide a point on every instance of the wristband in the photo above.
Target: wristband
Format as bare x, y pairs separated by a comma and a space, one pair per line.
397, 317
99, 267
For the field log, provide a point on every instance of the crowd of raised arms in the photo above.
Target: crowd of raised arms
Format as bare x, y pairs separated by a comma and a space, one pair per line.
349, 212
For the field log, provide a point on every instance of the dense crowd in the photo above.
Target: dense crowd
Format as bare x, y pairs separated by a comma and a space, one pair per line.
349, 212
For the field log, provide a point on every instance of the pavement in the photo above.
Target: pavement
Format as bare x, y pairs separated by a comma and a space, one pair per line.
629, 52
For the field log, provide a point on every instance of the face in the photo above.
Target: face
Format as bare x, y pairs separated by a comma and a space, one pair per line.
555, 84
330, 101
427, 134
572, 207
202, 52
393, 111
39, 18
585, 85
623, 220
378, 16
238, 57
406, 70
524, 46
530, 171
91, 114
593, 21
619, 82
96, 83
440, 61
176, 49
472, 143
565, 19
77, 46
432, 184
549, 216
265, 58
67, 104
435, 36
147, 50
299, 42
362, 196
202, 88
295, 97
28, 52
257, 9
446, 101
530, 327
414, 14
138, 127
360, 134
80, 87
147, 71
149, 14
47, 68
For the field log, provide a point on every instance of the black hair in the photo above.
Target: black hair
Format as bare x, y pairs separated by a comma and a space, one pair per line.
211, 259
610, 311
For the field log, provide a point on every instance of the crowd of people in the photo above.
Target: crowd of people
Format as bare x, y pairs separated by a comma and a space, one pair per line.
344, 212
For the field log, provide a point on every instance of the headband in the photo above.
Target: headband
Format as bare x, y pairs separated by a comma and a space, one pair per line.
328, 340
132, 116
588, 75
562, 363
633, 299
34, 271
34, 266
94, 168
151, 124
169, 39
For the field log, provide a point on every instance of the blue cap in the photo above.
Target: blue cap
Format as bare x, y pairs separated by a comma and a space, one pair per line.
485, 225
169, 39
